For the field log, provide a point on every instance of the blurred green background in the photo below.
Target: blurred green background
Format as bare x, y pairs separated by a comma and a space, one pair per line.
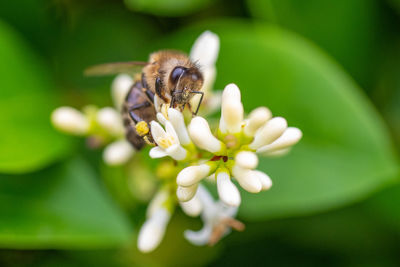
332, 68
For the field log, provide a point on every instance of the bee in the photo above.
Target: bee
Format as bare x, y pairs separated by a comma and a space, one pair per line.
169, 77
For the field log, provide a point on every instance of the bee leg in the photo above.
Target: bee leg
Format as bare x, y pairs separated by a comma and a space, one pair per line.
201, 100
135, 117
150, 95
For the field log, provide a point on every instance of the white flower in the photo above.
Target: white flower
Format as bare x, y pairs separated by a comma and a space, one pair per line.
246, 159
167, 141
110, 120
192, 207
227, 191
235, 146
153, 230
218, 220
231, 110
205, 52
193, 174
202, 137
70, 120
178, 122
118, 153
120, 88
257, 118
186, 193
289, 137
273, 129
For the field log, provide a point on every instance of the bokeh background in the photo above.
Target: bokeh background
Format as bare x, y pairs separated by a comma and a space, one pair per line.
332, 68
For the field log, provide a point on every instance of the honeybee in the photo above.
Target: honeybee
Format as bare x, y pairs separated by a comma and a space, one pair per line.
169, 77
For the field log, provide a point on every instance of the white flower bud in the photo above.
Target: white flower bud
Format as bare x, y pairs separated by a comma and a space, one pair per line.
192, 207
247, 179
246, 159
289, 138
118, 153
153, 230
201, 135
227, 191
70, 120
205, 49
257, 118
231, 110
193, 174
120, 88
269, 132
276, 153
186, 193
110, 120
176, 119
157, 202
266, 182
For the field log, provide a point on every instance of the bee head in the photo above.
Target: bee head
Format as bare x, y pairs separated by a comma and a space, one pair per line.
185, 81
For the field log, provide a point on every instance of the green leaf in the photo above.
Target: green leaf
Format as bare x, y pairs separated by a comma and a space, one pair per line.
167, 7
27, 140
352, 39
60, 207
346, 152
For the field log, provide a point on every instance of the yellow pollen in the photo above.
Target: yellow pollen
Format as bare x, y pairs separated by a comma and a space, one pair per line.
142, 128
166, 141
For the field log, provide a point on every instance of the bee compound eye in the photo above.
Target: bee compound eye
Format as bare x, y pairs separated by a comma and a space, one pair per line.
176, 73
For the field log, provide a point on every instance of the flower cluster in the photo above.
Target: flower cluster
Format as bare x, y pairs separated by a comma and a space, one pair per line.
188, 151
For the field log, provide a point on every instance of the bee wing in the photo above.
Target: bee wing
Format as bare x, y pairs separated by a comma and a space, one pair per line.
129, 67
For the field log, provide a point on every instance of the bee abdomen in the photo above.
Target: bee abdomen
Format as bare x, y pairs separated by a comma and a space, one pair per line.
136, 97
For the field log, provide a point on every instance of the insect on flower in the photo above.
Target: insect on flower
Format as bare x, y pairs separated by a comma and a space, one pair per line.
149, 109
170, 77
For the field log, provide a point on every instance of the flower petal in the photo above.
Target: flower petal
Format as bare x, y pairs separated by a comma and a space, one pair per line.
257, 118
176, 119
192, 207
186, 193
177, 152
201, 135
269, 132
157, 131
70, 120
170, 130
266, 182
247, 179
153, 230
118, 153
290, 137
205, 49
246, 159
231, 110
193, 174
157, 152
227, 191
157, 202
161, 118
